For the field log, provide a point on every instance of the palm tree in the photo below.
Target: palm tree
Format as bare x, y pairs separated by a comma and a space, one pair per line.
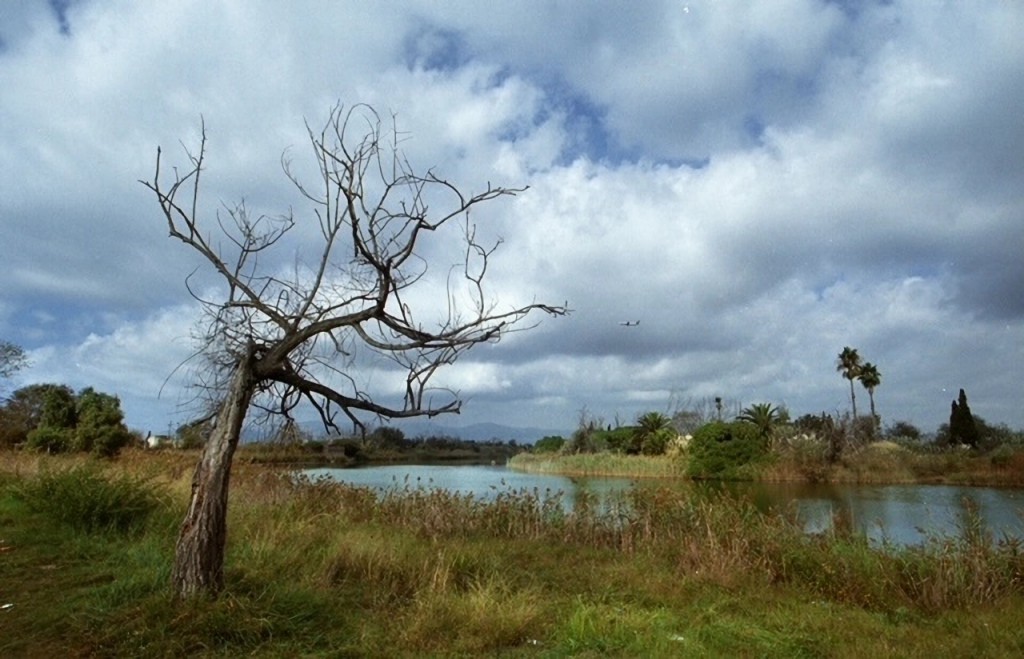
653, 433
849, 366
870, 378
762, 415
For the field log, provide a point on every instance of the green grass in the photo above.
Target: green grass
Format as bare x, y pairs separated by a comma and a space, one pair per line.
320, 569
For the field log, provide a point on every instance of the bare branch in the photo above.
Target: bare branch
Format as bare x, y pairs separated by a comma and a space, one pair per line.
282, 337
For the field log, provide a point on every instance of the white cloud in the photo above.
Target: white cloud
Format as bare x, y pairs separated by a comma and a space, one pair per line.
861, 187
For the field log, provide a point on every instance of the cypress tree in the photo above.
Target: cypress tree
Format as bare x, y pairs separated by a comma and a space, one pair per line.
962, 429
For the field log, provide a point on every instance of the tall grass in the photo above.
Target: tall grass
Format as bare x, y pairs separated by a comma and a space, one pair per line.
88, 500
319, 568
713, 537
805, 459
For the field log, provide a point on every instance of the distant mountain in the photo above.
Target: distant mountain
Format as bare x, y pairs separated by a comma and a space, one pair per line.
477, 432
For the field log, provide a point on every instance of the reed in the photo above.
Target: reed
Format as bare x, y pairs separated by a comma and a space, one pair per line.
317, 568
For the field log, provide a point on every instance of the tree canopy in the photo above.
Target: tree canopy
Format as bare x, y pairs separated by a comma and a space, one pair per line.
53, 418
12, 359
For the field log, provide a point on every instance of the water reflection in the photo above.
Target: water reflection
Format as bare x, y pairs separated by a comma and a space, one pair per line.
899, 514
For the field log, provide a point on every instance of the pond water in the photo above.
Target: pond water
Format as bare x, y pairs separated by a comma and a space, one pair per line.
901, 514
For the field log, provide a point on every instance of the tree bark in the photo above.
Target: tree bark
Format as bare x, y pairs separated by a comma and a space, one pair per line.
199, 553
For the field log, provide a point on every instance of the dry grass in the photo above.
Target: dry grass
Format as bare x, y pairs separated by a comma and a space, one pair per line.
321, 568
889, 463
716, 539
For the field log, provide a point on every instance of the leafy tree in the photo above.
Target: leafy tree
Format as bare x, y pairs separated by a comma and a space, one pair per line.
764, 416
275, 340
22, 413
90, 421
849, 366
870, 378
59, 408
388, 437
12, 359
57, 417
100, 427
903, 429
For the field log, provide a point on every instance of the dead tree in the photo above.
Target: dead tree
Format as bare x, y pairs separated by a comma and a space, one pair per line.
283, 336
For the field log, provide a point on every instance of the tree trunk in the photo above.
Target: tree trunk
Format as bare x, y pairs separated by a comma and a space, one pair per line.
199, 553
853, 401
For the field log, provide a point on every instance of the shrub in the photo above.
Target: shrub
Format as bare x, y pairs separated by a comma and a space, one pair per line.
549, 444
621, 440
726, 451
50, 440
101, 440
350, 448
902, 429
88, 500
99, 428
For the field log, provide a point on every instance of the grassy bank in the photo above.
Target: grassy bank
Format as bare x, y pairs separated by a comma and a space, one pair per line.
599, 464
880, 463
887, 462
321, 569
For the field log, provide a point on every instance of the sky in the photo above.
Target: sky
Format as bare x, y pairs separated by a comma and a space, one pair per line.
759, 184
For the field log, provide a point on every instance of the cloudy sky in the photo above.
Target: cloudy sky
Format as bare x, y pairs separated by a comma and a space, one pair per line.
760, 184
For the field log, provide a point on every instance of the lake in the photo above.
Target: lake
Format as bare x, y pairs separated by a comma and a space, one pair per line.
901, 514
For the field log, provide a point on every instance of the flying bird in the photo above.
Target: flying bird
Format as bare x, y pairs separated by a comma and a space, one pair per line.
630, 323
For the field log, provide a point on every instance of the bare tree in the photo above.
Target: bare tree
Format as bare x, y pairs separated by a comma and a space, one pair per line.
282, 337
688, 413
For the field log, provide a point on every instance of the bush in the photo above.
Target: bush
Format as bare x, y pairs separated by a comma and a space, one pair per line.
726, 451
100, 428
88, 500
657, 443
902, 429
621, 440
350, 448
549, 444
105, 441
50, 440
